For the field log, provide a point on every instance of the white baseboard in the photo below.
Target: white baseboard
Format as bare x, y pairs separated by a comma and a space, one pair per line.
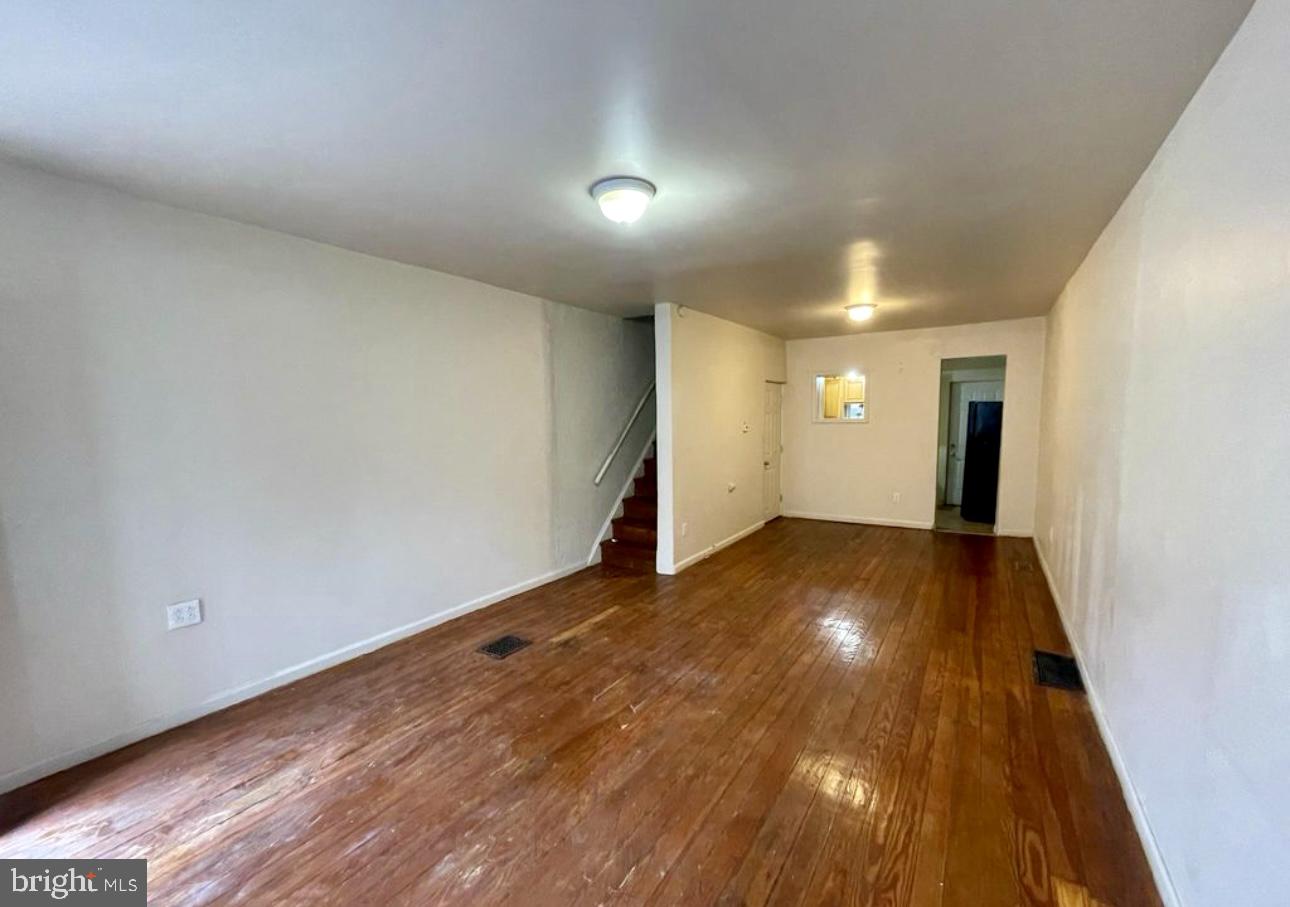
708, 552
1159, 869
223, 700
868, 521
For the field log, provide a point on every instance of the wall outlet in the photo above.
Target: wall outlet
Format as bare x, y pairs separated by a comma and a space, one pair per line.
184, 614
685, 529
895, 497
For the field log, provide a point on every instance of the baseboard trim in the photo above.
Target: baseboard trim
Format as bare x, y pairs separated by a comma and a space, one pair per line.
1159, 869
223, 700
708, 552
867, 521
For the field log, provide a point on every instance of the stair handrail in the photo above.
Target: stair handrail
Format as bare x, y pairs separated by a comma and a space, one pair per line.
622, 437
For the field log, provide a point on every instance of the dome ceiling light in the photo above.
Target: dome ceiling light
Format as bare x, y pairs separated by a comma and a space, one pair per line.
623, 199
862, 312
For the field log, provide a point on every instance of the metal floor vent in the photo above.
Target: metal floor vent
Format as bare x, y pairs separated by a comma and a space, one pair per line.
1060, 671
503, 646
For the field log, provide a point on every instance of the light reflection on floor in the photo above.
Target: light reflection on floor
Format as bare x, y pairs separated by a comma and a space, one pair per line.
850, 634
836, 781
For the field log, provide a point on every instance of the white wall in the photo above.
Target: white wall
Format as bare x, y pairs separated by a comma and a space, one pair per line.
1163, 516
712, 375
323, 446
852, 471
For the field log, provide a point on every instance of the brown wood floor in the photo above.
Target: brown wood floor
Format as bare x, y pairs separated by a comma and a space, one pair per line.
820, 714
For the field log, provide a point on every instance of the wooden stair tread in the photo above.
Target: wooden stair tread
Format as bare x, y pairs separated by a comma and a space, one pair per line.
633, 545
642, 522
626, 555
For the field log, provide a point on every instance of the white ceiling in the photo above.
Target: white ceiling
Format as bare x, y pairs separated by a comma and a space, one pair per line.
956, 158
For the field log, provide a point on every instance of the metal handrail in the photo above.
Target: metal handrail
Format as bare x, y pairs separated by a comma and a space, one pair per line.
618, 445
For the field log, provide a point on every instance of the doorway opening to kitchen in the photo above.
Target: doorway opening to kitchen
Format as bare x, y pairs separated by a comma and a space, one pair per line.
969, 436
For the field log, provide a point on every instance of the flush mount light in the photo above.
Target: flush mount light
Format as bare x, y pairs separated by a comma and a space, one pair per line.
862, 312
623, 199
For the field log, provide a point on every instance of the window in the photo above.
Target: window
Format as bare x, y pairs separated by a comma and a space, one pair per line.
840, 398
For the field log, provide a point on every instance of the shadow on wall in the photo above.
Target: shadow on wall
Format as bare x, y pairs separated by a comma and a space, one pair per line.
16, 713
20, 716
60, 601
98, 670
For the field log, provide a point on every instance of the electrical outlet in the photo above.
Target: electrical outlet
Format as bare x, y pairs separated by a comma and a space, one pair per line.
895, 497
184, 614
685, 529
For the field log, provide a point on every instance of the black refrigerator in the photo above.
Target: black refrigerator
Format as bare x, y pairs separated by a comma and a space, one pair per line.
981, 461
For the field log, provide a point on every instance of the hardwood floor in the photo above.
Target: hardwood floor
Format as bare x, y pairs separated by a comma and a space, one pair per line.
820, 714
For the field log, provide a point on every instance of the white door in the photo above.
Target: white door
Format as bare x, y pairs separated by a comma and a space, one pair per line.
961, 394
771, 448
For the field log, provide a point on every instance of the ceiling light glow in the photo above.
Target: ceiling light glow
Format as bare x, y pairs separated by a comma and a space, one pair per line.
862, 312
623, 199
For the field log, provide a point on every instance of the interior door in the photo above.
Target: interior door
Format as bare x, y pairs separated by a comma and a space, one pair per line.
771, 450
962, 394
981, 469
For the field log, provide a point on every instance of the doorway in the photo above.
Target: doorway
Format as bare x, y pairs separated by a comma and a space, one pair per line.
969, 432
772, 448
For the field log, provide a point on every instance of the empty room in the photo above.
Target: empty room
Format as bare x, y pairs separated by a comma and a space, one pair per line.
514, 453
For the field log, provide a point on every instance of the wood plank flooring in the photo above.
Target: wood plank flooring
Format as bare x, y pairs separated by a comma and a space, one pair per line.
822, 714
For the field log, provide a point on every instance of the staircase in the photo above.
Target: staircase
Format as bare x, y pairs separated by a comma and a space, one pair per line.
635, 534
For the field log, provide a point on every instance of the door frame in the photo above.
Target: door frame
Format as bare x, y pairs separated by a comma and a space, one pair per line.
776, 507
952, 370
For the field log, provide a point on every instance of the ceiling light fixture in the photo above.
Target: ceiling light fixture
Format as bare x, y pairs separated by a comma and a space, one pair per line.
862, 312
623, 199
